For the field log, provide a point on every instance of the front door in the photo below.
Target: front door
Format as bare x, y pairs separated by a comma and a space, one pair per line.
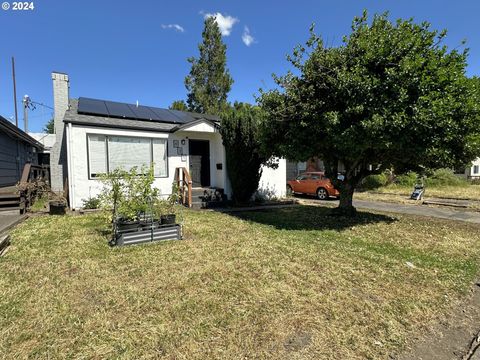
199, 153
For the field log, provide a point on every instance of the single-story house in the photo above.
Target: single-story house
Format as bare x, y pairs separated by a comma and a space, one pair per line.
96, 136
473, 172
16, 149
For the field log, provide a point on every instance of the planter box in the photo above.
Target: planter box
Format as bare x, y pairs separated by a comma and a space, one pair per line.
57, 208
155, 233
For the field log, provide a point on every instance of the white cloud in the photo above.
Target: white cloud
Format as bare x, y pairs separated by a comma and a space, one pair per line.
225, 22
246, 37
175, 27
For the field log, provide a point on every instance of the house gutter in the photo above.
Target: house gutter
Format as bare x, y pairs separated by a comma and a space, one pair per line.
71, 184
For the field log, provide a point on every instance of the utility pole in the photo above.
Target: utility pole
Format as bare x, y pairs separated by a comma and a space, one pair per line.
25, 112
14, 91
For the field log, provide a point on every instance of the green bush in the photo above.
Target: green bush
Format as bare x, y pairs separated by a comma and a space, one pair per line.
91, 203
444, 177
372, 182
408, 179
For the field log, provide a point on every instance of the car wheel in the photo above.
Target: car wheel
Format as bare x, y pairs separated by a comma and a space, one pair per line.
322, 194
289, 190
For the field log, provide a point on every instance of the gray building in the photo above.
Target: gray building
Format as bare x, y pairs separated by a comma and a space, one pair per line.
16, 149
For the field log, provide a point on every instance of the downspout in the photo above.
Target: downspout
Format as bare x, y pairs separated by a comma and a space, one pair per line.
71, 185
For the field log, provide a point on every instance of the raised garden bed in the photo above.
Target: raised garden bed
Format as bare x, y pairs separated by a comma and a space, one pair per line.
144, 233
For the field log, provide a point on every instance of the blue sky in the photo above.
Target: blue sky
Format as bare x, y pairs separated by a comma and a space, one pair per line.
134, 50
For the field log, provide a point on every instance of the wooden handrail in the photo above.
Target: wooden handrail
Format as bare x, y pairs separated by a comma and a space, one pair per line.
181, 181
29, 168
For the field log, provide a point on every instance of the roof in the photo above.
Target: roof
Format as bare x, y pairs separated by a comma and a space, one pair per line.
165, 120
47, 140
16, 133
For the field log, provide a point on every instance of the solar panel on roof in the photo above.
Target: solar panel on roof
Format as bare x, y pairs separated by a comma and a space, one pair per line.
184, 117
119, 110
143, 112
130, 111
166, 115
92, 106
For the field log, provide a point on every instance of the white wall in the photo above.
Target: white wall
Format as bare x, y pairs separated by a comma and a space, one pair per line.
82, 188
273, 181
471, 172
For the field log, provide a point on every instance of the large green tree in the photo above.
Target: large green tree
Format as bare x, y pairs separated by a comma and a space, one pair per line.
178, 105
241, 136
390, 96
49, 127
209, 80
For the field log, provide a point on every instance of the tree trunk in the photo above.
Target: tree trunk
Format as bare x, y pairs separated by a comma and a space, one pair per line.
345, 206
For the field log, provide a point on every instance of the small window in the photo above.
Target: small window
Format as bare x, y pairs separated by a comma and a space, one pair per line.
316, 177
97, 155
476, 169
160, 157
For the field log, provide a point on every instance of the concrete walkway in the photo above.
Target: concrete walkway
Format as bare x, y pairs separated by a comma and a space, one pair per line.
9, 220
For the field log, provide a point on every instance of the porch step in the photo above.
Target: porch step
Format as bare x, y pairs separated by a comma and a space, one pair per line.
9, 201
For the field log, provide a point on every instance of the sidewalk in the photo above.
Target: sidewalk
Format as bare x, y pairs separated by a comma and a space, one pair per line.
419, 210
9, 220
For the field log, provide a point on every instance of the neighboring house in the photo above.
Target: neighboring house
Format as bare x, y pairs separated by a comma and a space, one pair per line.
47, 140
96, 136
313, 164
473, 172
16, 149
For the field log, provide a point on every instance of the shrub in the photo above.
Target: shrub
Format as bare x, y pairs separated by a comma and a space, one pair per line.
408, 179
91, 203
444, 177
127, 194
372, 182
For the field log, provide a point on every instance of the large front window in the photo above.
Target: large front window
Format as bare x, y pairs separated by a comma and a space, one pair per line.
106, 153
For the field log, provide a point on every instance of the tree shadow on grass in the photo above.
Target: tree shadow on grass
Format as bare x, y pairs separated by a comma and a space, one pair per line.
305, 217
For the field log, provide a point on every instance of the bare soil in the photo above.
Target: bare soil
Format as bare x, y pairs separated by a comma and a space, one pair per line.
454, 337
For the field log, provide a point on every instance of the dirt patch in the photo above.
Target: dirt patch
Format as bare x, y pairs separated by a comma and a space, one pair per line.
456, 337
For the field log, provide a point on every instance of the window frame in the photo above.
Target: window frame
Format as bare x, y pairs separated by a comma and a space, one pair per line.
126, 136
476, 170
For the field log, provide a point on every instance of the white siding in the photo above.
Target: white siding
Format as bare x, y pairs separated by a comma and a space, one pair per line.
81, 187
273, 181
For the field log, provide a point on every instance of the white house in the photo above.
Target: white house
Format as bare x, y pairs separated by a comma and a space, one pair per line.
473, 172
96, 136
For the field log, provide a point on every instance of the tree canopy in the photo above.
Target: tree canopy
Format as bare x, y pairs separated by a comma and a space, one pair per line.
241, 136
49, 127
178, 105
390, 96
209, 80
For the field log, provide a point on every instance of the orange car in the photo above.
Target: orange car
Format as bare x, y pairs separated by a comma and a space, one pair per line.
312, 183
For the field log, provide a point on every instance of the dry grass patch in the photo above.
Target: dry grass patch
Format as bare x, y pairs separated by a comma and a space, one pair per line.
286, 283
470, 192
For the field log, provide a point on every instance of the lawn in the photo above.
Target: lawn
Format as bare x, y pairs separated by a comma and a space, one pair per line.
289, 283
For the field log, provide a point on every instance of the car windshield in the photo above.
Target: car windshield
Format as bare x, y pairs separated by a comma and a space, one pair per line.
302, 177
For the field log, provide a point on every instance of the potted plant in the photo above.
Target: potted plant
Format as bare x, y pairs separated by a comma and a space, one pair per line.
57, 205
166, 208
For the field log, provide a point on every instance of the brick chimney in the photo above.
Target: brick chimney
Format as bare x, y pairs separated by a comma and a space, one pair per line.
58, 154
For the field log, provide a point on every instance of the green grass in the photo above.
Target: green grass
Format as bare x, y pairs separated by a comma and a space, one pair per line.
289, 283
39, 204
